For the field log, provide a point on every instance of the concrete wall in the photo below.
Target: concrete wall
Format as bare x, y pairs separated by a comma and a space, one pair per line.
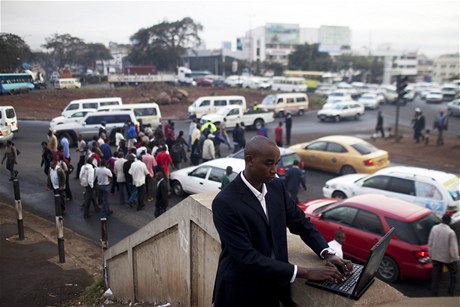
174, 259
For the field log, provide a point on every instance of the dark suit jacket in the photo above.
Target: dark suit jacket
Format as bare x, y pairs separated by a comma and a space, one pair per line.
253, 266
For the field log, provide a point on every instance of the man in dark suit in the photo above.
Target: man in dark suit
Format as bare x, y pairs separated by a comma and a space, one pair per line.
252, 215
294, 178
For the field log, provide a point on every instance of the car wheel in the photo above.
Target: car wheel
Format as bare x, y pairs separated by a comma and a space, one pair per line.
357, 116
301, 112
347, 169
339, 194
337, 118
258, 123
388, 270
322, 119
177, 188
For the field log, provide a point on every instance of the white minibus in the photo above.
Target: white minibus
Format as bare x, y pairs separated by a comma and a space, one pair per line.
60, 84
211, 104
289, 84
148, 114
90, 103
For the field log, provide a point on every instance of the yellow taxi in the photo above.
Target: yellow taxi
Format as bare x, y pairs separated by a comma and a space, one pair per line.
342, 155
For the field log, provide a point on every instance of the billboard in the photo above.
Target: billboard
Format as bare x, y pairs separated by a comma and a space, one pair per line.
280, 33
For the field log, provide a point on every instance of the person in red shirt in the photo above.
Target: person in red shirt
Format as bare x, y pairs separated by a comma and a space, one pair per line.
164, 160
279, 134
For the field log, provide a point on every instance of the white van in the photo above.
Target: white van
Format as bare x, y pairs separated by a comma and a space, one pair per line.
64, 83
148, 114
211, 104
90, 103
8, 118
289, 84
280, 104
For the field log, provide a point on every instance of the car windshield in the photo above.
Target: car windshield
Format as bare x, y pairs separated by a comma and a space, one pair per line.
364, 148
416, 232
288, 160
269, 100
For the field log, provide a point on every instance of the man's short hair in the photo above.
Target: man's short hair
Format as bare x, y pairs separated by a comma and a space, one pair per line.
446, 218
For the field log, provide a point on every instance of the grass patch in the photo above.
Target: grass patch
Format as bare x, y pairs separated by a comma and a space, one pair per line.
93, 293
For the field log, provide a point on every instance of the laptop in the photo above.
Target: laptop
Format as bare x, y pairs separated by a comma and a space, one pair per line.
362, 276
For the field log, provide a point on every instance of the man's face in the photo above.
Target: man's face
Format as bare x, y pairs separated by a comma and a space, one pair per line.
263, 165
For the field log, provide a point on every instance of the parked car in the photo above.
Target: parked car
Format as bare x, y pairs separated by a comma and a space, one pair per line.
234, 81
287, 158
453, 107
434, 190
341, 154
76, 116
366, 218
449, 91
370, 101
340, 110
236, 114
205, 177
256, 83
5, 134
434, 96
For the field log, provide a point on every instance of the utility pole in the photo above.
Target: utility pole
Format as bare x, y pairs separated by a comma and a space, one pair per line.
401, 84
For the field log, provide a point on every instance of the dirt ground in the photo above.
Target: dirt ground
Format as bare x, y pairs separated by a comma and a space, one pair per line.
45, 105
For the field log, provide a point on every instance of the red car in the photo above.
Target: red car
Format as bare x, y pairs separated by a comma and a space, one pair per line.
366, 218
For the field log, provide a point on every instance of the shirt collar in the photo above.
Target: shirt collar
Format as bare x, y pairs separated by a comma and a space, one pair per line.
259, 195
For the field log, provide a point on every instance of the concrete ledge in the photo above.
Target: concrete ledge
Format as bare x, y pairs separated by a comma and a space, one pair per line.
174, 259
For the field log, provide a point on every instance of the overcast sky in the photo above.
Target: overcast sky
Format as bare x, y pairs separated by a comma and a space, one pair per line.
428, 26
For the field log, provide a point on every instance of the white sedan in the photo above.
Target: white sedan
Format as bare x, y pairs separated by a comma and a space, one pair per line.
370, 101
205, 177
434, 190
76, 116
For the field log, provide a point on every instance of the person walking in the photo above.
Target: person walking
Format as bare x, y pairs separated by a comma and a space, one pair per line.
161, 197
104, 178
209, 152
52, 141
47, 156
56, 181
82, 150
279, 134
120, 177
226, 177
195, 155
178, 155
139, 171
252, 215
164, 160
87, 176
379, 125
418, 125
132, 191
294, 178
288, 125
131, 135
150, 163
237, 136
11, 157
443, 250
336, 244
262, 131
440, 123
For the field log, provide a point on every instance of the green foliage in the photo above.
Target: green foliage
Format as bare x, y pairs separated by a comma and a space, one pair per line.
163, 44
93, 294
92, 52
64, 48
307, 57
13, 51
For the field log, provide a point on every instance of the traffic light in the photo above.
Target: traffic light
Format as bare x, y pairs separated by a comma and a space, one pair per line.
401, 84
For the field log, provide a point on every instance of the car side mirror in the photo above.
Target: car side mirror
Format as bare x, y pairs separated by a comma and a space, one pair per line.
320, 216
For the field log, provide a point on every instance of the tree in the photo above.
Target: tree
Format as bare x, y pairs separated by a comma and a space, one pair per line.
307, 57
13, 50
93, 52
164, 44
64, 48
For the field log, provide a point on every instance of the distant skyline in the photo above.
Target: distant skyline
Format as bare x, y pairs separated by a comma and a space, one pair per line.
430, 27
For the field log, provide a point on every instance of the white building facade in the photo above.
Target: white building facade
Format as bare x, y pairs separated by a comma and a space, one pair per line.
446, 67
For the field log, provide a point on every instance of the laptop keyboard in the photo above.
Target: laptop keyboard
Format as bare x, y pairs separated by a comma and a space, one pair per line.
347, 284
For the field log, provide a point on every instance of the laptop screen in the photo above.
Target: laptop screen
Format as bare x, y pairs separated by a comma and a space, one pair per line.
373, 262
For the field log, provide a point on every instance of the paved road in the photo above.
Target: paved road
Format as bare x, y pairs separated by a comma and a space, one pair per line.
125, 221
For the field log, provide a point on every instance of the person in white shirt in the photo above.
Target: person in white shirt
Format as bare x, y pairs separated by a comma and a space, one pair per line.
104, 178
87, 176
443, 250
209, 152
336, 244
120, 177
138, 171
